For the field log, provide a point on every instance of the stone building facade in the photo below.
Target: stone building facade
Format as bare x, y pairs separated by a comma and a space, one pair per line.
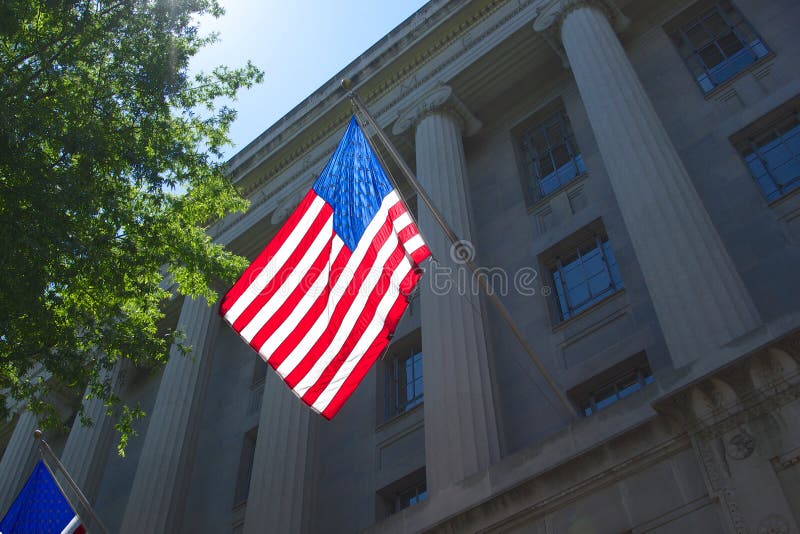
629, 174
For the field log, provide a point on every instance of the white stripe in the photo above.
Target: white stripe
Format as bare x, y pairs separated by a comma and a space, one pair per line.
290, 323
367, 339
354, 313
414, 243
276, 262
288, 286
71, 526
402, 221
321, 324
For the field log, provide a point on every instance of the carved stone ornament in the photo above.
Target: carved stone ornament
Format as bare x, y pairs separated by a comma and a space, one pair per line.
439, 99
551, 13
773, 524
740, 445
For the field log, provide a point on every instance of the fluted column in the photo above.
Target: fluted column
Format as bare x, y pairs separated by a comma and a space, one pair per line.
461, 435
87, 447
280, 482
698, 296
18, 460
158, 490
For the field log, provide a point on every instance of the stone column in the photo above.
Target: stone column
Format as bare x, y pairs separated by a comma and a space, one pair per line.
697, 293
87, 447
280, 482
158, 492
18, 460
461, 436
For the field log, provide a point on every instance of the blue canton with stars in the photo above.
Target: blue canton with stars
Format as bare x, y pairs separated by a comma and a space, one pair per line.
39, 508
354, 184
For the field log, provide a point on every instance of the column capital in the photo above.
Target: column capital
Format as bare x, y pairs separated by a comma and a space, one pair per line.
551, 13
441, 99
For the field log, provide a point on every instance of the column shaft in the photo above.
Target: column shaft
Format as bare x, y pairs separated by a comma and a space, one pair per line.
460, 426
158, 491
18, 460
697, 293
279, 484
87, 447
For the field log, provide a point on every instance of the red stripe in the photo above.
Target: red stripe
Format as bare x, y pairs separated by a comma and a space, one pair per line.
276, 355
375, 350
337, 317
280, 314
396, 210
407, 233
282, 275
420, 254
269, 251
363, 322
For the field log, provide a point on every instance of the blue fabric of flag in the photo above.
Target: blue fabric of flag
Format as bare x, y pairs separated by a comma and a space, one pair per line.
40, 507
355, 192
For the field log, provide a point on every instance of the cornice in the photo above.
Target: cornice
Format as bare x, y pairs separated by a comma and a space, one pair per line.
332, 113
439, 100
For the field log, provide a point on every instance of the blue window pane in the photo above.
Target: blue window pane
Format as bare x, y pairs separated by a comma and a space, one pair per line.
549, 183
787, 173
585, 279
775, 153
579, 164
792, 140
755, 165
759, 48
622, 387
719, 44
774, 161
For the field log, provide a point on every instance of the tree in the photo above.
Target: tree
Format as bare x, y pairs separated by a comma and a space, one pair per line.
110, 169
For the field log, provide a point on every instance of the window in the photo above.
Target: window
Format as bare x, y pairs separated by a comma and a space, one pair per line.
245, 466
551, 155
404, 384
716, 43
411, 496
405, 492
771, 150
612, 385
585, 275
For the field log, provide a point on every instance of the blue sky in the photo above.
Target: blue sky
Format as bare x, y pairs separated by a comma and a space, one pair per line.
298, 44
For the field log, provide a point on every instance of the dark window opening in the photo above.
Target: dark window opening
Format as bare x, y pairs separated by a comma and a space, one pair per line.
403, 493
612, 385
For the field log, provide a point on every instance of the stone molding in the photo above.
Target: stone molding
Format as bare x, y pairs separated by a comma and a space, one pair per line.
265, 197
551, 13
440, 100
753, 388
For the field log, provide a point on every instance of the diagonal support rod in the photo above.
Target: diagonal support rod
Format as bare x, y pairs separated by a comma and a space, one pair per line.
457, 243
48, 456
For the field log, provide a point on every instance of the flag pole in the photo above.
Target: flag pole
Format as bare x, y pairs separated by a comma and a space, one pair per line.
457, 243
48, 455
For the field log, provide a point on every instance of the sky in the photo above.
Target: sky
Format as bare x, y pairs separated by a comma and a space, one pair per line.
299, 45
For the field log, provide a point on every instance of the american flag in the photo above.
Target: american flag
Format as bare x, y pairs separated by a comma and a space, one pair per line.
322, 300
41, 507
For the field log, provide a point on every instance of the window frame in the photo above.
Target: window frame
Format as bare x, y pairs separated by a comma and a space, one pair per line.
585, 396
552, 114
407, 348
593, 239
752, 139
751, 44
